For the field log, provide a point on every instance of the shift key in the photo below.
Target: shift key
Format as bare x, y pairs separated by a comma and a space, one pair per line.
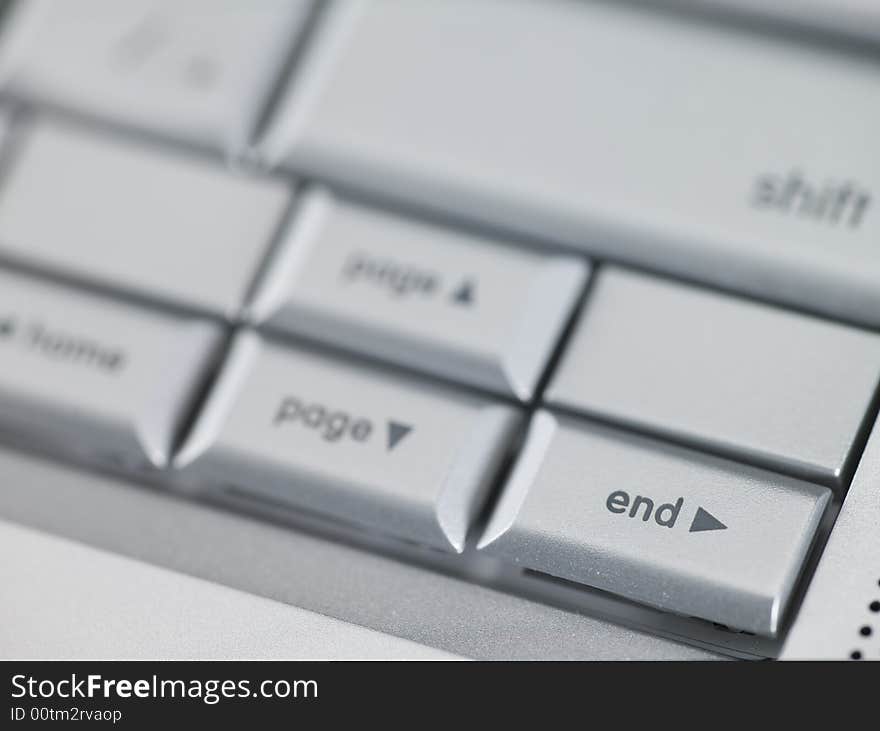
657, 524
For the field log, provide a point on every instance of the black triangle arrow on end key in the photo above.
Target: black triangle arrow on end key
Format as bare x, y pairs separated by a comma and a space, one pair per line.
704, 520
396, 432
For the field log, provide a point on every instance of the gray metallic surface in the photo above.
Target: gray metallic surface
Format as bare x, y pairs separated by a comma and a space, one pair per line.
325, 577
717, 540
76, 602
777, 389
664, 139
844, 594
522, 174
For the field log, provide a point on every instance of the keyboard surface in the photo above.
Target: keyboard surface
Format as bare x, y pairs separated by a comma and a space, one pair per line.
578, 300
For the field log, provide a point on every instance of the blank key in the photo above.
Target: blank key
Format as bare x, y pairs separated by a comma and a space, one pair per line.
135, 219
775, 388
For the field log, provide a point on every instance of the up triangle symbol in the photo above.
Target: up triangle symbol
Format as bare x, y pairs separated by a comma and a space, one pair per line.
704, 520
396, 432
465, 293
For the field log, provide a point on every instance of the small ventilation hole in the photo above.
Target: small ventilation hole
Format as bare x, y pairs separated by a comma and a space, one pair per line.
866, 630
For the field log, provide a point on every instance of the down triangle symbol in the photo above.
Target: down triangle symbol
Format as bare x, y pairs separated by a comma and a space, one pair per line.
396, 432
704, 520
464, 295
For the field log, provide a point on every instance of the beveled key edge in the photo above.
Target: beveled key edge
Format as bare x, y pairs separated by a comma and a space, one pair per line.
311, 209
241, 356
547, 308
167, 405
469, 481
522, 477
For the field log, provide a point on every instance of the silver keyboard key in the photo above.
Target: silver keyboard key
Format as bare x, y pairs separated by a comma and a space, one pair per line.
657, 524
97, 380
677, 146
378, 451
199, 70
137, 219
444, 302
778, 389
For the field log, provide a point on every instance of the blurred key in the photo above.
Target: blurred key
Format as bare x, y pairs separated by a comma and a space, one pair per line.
779, 389
137, 219
95, 379
722, 156
655, 523
441, 301
852, 19
194, 69
371, 449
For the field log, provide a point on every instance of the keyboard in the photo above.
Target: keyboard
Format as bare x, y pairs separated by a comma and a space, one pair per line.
577, 300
